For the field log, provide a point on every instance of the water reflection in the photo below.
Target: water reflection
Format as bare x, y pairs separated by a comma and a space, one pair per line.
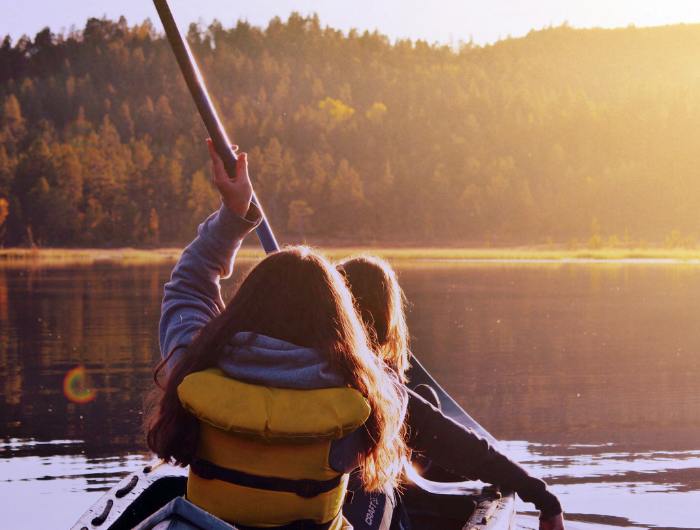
588, 371
591, 354
103, 317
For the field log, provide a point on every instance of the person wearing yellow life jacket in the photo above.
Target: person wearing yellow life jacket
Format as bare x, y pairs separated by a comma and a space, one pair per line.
271, 448
273, 398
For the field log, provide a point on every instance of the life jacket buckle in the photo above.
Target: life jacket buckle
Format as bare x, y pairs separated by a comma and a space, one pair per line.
349, 496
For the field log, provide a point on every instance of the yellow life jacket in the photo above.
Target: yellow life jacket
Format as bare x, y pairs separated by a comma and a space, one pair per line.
263, 452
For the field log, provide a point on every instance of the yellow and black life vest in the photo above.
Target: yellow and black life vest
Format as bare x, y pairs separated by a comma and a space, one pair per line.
263, 452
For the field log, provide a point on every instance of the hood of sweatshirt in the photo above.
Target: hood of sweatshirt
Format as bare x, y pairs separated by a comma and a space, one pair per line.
262, 360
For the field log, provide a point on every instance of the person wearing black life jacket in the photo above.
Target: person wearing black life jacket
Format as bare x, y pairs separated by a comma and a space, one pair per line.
432, 435
273, 398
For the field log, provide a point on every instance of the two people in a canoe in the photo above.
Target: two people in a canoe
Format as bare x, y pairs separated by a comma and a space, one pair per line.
274, 398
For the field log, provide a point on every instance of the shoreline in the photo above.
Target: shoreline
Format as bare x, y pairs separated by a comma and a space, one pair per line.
61, 256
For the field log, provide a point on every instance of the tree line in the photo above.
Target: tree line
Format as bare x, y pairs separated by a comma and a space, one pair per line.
563, 135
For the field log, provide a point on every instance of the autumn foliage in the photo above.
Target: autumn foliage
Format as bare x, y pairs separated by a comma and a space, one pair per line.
529, 140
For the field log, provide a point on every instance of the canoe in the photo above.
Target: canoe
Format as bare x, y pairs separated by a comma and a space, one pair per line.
152, 497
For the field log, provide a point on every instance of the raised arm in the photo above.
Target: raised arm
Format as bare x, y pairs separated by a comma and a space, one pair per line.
193, 297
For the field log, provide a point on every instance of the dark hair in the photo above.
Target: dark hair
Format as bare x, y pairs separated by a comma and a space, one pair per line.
381, 303
293, 295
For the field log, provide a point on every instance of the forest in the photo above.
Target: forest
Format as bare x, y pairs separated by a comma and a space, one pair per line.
566, 136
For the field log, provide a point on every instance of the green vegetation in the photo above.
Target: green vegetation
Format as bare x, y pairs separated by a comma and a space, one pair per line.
519, 254
559, 137
28, 258
55, 257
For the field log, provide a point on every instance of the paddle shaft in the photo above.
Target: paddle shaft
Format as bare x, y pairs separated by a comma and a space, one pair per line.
199, 93
418, 375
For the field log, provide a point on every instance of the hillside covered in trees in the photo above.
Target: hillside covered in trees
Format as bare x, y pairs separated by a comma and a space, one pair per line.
564, 135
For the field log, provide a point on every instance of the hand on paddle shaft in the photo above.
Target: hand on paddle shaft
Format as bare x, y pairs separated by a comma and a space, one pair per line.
553, 523
235, 190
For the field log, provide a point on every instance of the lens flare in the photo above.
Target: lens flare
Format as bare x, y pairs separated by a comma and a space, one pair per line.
75, 386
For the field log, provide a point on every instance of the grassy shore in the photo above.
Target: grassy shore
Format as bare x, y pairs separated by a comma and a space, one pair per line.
56, 257
521, 254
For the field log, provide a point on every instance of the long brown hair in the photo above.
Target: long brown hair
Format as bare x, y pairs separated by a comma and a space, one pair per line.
293, 295
381, 303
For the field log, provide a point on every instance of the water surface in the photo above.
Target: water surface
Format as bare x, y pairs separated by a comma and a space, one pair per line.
587, 372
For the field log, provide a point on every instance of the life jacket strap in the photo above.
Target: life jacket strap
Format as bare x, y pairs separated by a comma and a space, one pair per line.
306, 488
305, 524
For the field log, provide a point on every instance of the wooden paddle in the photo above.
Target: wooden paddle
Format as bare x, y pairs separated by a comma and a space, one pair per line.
199, 93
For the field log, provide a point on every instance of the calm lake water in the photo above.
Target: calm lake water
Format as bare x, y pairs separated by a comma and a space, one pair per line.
588, 372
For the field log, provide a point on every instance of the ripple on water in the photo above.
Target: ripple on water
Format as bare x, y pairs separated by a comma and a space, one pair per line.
39, 491
597, 484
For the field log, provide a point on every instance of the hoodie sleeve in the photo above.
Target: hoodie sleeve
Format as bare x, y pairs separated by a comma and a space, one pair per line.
192, 296
463, 452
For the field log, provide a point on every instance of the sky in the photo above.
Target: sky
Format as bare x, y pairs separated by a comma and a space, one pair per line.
442, 21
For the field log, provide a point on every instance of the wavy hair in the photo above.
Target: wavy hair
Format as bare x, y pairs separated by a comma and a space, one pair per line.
294, 295
381, 303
